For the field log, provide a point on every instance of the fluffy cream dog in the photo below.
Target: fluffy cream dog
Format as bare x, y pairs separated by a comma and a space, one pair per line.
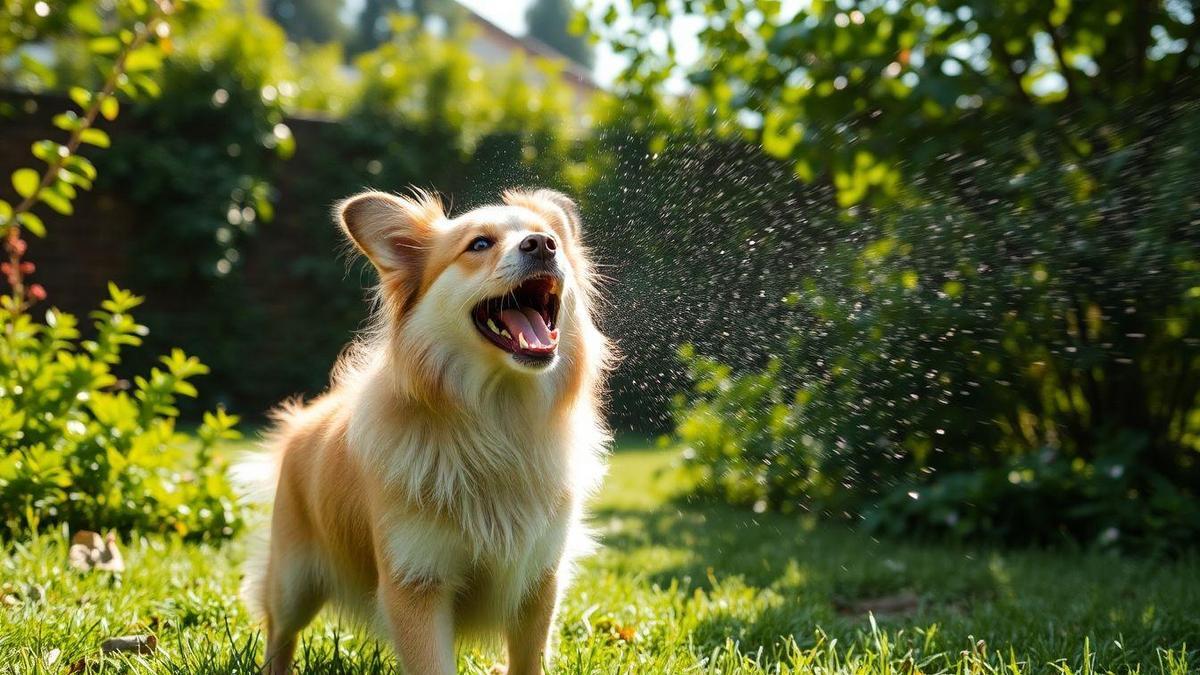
436, 489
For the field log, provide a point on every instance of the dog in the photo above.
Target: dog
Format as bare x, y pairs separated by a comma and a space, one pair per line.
436, 490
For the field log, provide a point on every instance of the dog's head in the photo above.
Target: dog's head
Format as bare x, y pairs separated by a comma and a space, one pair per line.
502, 289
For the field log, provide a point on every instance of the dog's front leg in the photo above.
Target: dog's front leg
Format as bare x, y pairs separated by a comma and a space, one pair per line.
421, 619
528, 636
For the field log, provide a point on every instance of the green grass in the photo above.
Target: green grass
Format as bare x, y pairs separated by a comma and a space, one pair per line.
674, 589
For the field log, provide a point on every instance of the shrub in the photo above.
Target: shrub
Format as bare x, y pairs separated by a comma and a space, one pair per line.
998, 332
79, 445
1027, 373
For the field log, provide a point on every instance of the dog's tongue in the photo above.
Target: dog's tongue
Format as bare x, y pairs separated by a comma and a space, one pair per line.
527, 321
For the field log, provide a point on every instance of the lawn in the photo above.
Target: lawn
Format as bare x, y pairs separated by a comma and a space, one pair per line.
675, 588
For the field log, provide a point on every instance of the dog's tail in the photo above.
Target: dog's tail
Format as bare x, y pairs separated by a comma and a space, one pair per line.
255, 475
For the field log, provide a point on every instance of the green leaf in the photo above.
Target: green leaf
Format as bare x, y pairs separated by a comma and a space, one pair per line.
64, 188
146, 84
125, 86
48, 151
143, 59
116, 461
80, 165
25, 182
84, 17
82, 97
57, 202
67, 121
109, 107
266, 211
96, 137
74, 179
5, 212
31, 222
104, 45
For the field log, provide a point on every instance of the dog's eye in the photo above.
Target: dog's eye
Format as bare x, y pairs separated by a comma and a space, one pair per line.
479, 244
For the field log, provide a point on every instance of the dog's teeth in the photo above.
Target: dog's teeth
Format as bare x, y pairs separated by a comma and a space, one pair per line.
492, 326
521, 340
505, 333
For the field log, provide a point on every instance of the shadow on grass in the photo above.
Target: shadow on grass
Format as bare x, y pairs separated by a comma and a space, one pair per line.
756, 578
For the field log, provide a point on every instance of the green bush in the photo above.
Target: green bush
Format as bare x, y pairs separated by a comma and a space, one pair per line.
1028, 373
80, 445
996, 329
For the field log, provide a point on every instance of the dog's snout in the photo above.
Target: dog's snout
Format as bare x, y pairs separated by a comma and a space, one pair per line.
541, 246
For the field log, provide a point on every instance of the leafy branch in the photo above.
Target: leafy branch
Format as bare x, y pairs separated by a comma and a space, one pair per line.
65, 169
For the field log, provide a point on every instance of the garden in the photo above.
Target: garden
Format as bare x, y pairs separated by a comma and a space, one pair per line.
907, 296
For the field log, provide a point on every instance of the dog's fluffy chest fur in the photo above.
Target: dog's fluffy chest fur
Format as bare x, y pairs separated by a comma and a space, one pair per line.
482, 500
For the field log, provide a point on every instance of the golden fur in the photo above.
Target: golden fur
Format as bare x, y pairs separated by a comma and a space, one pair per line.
436, 489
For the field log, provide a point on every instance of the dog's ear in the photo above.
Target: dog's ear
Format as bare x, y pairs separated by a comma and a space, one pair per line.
558, 208
393, 232
570, 211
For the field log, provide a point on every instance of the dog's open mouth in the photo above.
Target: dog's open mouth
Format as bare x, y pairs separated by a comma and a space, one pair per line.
523, 321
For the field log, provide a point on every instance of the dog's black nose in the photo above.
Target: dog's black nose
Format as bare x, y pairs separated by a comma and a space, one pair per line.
540, 246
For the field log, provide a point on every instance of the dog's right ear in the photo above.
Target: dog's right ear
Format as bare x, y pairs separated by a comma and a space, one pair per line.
393, 232
570, 210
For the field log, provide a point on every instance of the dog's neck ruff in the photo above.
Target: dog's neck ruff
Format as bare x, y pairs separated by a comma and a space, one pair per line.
501, 465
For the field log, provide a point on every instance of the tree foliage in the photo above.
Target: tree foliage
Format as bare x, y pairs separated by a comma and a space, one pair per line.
860, 91
375, 22
317, 21
551, 22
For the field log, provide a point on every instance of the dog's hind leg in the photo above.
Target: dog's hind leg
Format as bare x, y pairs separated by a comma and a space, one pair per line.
294, 588
294, 595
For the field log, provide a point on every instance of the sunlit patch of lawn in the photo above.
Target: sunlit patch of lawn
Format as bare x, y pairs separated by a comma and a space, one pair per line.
675, 588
